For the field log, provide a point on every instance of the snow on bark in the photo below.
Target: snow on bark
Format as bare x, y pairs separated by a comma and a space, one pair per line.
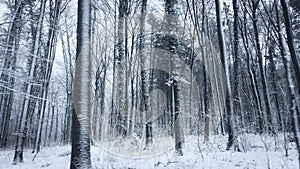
24, 115
80, 157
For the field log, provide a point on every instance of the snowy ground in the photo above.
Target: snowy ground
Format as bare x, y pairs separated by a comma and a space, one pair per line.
260, 152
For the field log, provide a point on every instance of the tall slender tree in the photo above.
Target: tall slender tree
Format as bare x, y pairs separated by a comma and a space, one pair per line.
290, 41
236, 55
289, 61
171, 11
145, 75
232, 134
9, 65
25, 115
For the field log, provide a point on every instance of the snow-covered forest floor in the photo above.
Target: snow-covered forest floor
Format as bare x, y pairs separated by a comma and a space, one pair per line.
259, 152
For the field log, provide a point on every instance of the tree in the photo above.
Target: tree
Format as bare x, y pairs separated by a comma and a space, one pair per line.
288, 65
80, 156
172, 23
145, 79
25, 115
237, 62
290, 41
232, 134
9, 65
255, 5
44, 69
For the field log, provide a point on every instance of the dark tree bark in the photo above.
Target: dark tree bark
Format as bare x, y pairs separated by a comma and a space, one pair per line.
45, 66
236, 93
290, 42
289, 61
232, 135
273, 78
9, 65
80, 155
51, 124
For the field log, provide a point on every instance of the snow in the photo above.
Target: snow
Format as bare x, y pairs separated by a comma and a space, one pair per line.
261, 152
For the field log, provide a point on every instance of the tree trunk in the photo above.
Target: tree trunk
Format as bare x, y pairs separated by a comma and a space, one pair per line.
145, 79
288, 65
9, 65
80, 155
23, 123
273, 78
172, 23
290, 42
232, 134
236, 94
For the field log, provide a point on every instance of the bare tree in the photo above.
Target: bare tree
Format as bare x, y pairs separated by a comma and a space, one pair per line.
25, 115
172, 23
232, 133
289, 61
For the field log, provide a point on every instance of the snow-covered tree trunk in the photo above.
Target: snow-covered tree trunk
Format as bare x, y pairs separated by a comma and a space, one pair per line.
45, 71
237, 100
80, 156
172, 22
24, 117
121, 70
8, 67
145, 79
